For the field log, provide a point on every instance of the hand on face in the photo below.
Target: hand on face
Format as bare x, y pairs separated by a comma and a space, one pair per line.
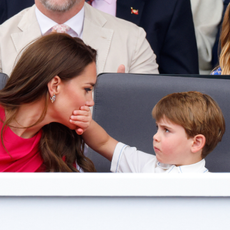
81, 118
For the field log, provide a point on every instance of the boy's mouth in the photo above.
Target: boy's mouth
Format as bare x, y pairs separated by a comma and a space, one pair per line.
156, 149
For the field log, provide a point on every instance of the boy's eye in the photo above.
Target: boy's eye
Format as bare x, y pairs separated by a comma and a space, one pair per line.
166, 130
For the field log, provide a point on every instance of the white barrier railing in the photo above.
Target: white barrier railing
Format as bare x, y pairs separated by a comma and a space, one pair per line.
114, 184
114, 201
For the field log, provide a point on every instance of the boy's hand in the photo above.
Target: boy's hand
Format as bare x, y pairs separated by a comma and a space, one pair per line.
81, 118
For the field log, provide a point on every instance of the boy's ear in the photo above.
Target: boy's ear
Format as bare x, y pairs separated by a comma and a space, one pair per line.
54, 86
198, 143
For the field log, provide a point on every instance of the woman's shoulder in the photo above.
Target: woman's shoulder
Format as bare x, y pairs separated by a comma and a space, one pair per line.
216, 71
2, 112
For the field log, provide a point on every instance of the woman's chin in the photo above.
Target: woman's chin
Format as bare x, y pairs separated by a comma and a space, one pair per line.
71, 126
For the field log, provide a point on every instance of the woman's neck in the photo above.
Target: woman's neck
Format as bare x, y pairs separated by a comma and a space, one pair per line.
24, 124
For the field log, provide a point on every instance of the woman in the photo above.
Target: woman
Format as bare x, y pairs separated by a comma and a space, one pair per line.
224, 67
54, 76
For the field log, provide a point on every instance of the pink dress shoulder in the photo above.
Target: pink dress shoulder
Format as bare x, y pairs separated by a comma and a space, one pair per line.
19, 154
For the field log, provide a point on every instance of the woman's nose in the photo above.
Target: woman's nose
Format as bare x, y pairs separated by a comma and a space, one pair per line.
90, 102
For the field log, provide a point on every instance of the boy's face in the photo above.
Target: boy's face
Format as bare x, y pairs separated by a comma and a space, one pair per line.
171, 144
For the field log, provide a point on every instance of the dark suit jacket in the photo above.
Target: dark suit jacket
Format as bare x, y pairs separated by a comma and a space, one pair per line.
170, 32
9, 8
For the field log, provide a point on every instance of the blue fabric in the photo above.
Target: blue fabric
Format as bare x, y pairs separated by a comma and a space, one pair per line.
217, 72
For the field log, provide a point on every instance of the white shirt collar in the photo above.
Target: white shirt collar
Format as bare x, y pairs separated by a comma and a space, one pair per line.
198, 167
108, 1
107, 6
75, 23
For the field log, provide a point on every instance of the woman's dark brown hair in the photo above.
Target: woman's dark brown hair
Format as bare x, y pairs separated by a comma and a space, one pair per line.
49, 56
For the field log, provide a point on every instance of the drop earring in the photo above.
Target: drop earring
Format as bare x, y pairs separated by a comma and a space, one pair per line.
53, 98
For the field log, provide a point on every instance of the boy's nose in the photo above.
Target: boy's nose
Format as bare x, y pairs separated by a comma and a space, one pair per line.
156, 137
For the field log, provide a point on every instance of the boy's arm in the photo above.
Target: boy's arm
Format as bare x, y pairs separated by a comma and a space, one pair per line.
99, 140
94, 135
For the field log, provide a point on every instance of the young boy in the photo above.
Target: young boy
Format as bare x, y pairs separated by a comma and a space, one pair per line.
190, 124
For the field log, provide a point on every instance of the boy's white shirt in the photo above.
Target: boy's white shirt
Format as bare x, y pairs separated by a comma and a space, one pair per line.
129, 159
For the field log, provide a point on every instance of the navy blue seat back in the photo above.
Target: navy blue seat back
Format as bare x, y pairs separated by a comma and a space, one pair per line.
3, 80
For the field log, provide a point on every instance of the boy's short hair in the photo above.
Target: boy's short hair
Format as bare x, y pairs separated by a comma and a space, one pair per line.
197, 113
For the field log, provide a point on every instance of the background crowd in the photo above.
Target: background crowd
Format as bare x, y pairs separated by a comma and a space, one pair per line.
184, 35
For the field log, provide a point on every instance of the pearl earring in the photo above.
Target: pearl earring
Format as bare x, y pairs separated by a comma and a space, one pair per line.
53, 98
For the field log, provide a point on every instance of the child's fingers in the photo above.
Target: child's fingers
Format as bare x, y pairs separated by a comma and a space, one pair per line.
79, 131
80, 118
80, 124
82, 109
81, 113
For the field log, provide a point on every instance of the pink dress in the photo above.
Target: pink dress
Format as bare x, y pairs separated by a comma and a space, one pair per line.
23, 154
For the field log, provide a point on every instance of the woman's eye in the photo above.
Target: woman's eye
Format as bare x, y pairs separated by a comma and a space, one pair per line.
88, 90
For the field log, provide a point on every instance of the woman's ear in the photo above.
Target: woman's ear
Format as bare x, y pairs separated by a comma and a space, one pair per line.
198, 143
54, 86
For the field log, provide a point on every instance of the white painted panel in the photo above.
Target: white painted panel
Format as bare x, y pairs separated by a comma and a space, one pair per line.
106, 201
135, 213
